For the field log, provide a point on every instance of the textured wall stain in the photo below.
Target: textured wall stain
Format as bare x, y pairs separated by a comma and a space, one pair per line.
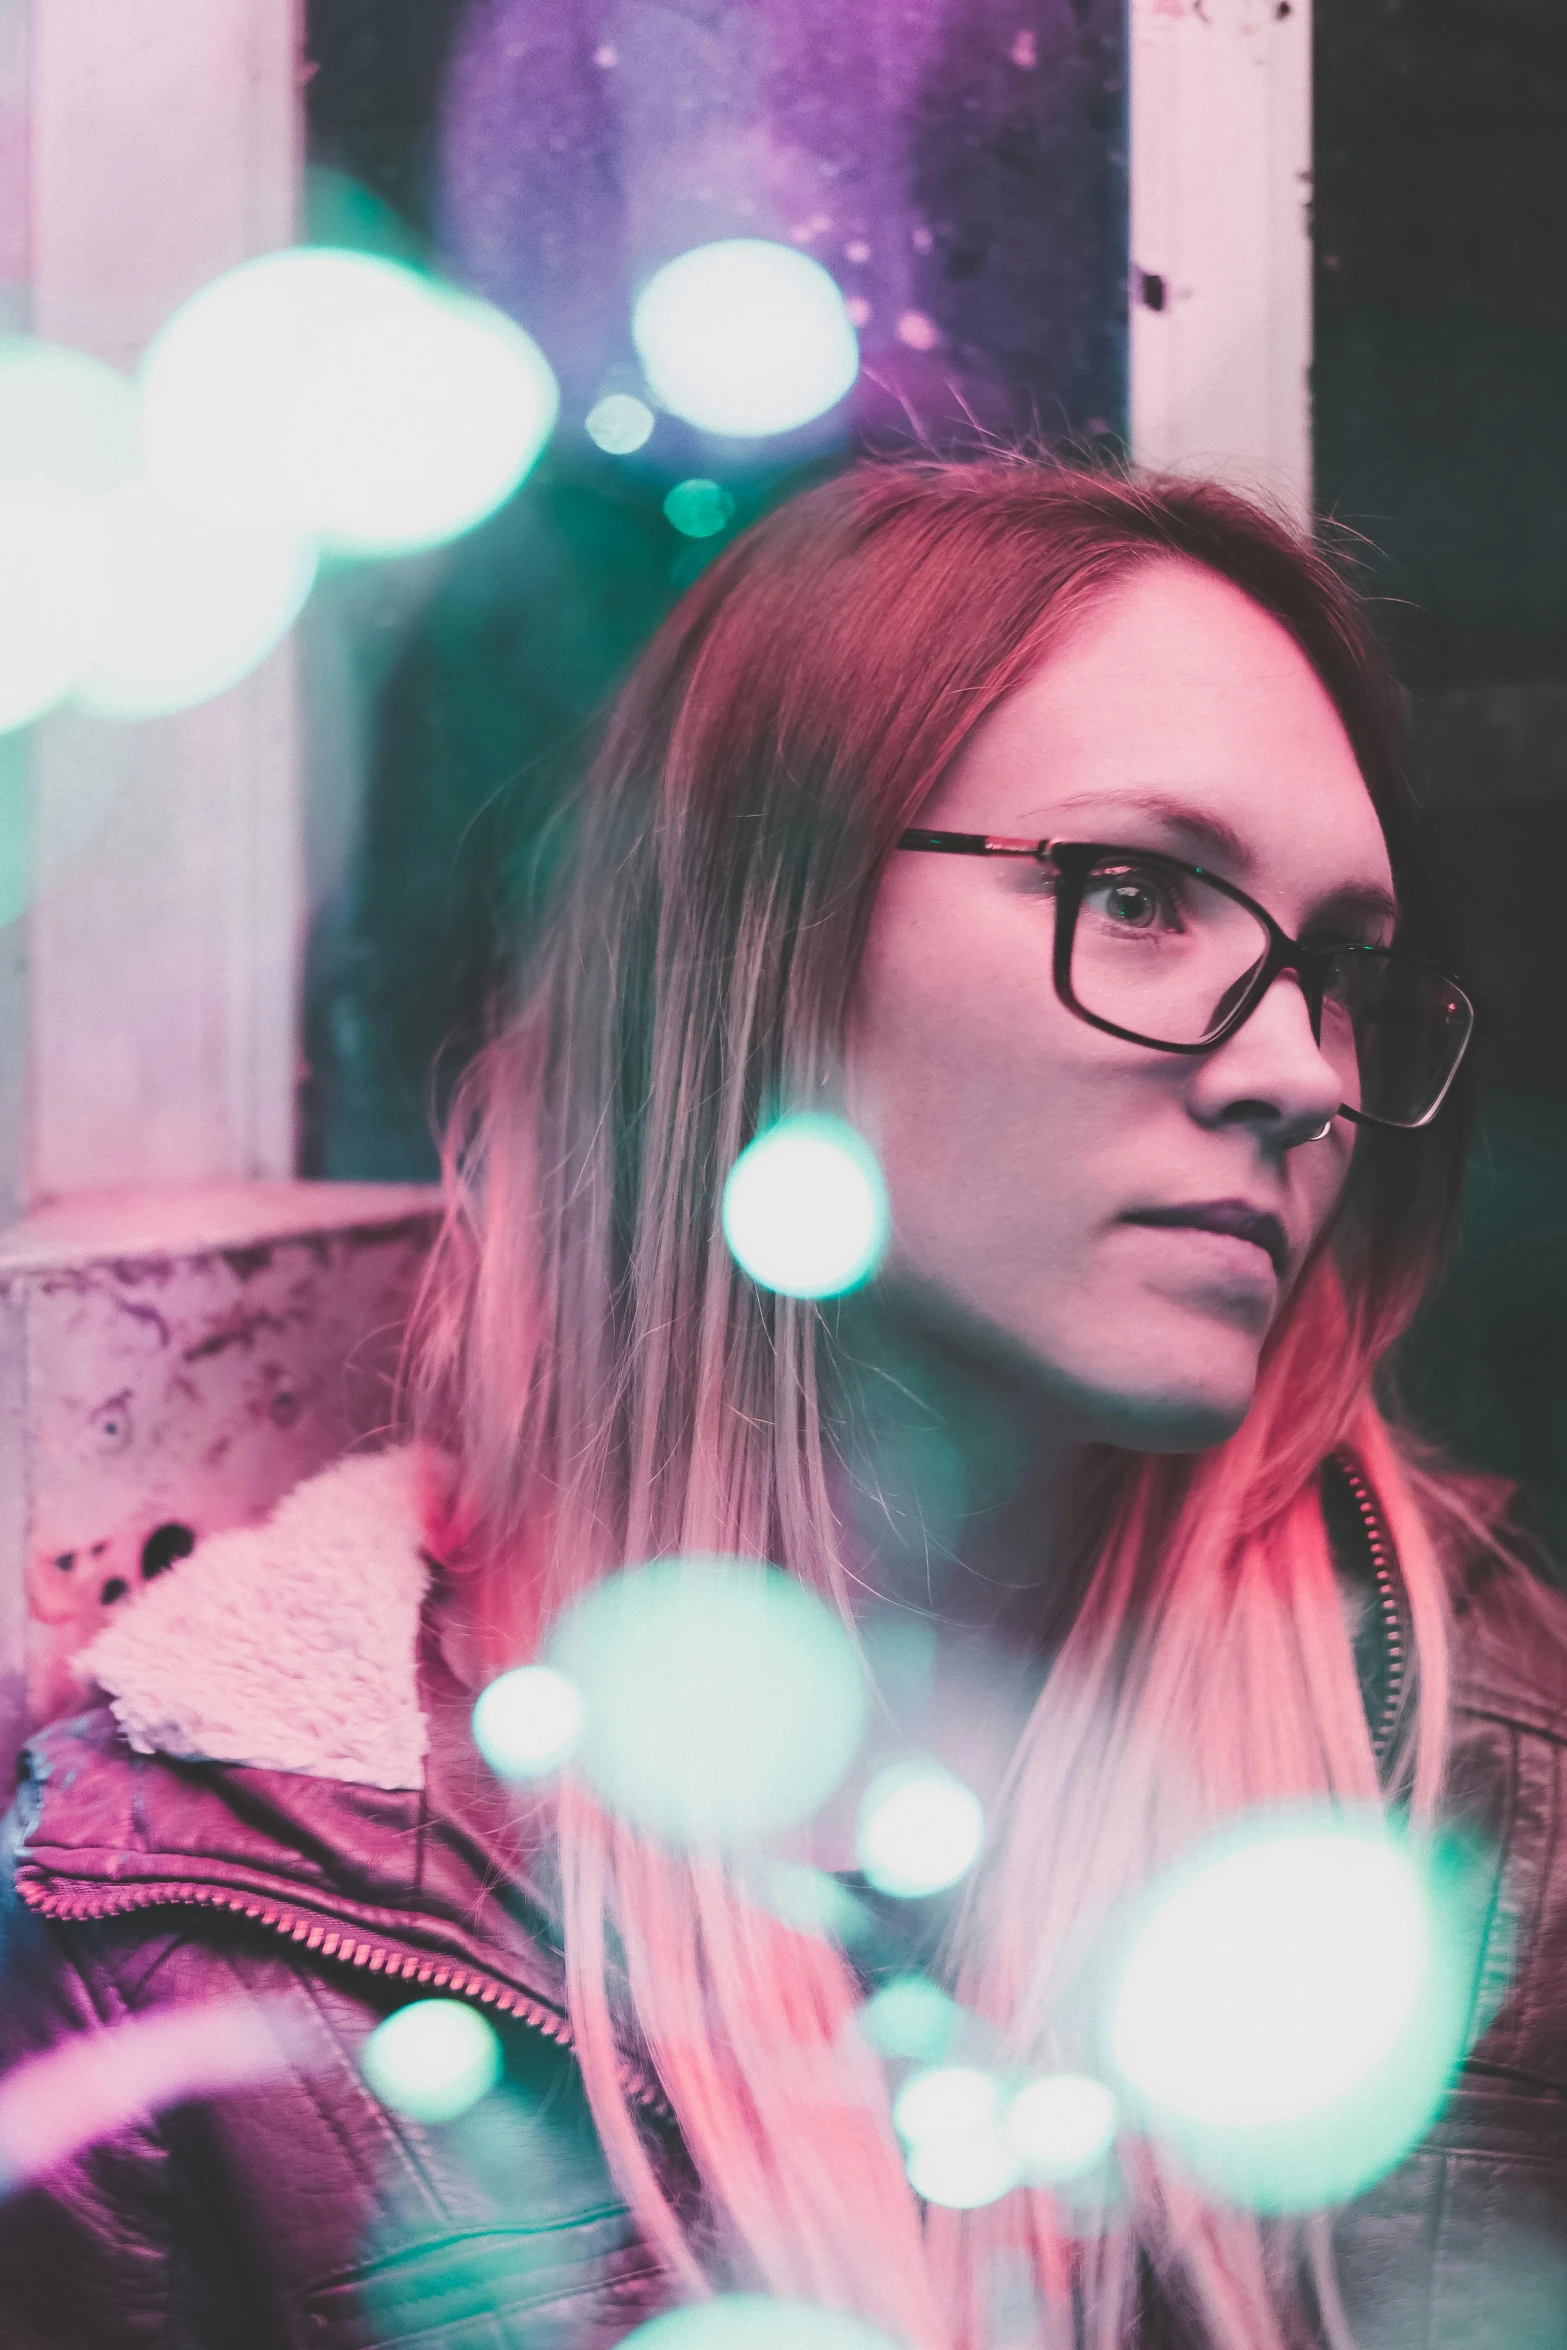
958, 162
151, 1426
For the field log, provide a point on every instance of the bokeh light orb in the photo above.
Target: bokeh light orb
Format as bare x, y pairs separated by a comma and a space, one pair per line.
219, 382
945, 2101
963, 2172
1272, 1977
805, 1208
721, 1701
527, 1721
49, 565
812, 1902
745, 338
910, 2017
410, 428
182, 607
1291, 2007
432, 2060
1060, 2127
956, 2153
619, 424
753, 2321
920, 1829
699, 509
343, 396
66, 419
68, 436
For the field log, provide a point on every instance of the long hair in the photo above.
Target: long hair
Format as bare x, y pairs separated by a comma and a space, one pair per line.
615, 1389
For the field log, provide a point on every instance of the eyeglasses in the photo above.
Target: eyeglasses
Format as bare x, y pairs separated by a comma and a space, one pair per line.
1166, 954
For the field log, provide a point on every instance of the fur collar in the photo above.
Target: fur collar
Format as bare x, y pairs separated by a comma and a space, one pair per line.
288, 1646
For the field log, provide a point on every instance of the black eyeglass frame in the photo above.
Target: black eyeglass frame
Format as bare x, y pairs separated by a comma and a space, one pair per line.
1073, 861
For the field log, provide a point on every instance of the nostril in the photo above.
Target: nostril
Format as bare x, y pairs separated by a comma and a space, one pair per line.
164, 1545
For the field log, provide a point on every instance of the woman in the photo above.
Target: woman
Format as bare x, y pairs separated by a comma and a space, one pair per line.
1052, 827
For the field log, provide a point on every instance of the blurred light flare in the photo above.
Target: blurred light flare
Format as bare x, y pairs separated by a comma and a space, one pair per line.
1290, 2008
805, 1209
182, 608
957, 2154
66, 419
1060, 2127
527, 1721
619, 424
95, 2083
48, 568
968, 2141
432, 2060
745, 338
699, 509
408, 430
910, 2017
1269, 1980
722, 1702
344, 397
753, 2321
920, 1829
219, 380
963, 2173
157, 542
812, 1902
945, 2101
68, 437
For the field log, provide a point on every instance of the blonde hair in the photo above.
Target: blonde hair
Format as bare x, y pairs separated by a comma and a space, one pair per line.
615, 1389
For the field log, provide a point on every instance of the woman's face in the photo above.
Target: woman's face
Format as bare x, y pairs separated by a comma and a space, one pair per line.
1022, 1147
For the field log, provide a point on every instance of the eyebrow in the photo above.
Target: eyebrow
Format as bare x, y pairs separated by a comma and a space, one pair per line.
1211, 837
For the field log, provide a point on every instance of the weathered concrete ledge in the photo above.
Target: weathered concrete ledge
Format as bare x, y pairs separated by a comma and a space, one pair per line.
172, 1360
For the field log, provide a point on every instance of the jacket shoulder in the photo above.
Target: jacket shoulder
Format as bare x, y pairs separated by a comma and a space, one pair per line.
1506, 1790
1510, 1648
285, 2201
84, 2244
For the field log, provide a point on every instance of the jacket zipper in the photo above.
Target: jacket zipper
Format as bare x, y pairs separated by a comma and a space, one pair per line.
329, 1942
1389, 1583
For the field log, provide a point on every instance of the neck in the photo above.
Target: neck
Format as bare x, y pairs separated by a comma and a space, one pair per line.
959, 1505
961, 1480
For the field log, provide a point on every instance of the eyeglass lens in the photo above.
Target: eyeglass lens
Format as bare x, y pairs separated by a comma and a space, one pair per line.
1166, 955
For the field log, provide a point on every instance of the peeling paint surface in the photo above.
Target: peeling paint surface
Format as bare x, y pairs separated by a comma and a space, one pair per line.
168, 1393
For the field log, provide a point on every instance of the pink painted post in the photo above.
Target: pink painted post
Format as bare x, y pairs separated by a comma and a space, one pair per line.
163, 953
1220, 170
184, 1330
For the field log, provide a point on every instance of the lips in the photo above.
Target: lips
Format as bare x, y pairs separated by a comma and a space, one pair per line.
1233, 1216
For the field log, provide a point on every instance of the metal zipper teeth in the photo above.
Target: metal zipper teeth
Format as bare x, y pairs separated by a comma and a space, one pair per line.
1385, 1570
324, 1941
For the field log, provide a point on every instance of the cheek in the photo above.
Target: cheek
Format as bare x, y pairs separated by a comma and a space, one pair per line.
991, 1110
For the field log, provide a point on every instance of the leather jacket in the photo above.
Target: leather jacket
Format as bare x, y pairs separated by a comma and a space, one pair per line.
302, 2212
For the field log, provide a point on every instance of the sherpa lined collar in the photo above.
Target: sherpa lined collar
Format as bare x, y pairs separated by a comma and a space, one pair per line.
289, 1646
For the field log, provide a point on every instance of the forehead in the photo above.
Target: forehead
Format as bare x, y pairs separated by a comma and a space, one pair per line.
1178, 694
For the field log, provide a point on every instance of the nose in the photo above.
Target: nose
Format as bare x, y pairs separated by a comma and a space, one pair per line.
1272, 1074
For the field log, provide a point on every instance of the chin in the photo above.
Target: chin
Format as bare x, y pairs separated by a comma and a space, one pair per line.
1171, 1423
1190, 1409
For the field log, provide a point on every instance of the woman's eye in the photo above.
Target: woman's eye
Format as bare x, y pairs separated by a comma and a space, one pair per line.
1125, 902
1132, 901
